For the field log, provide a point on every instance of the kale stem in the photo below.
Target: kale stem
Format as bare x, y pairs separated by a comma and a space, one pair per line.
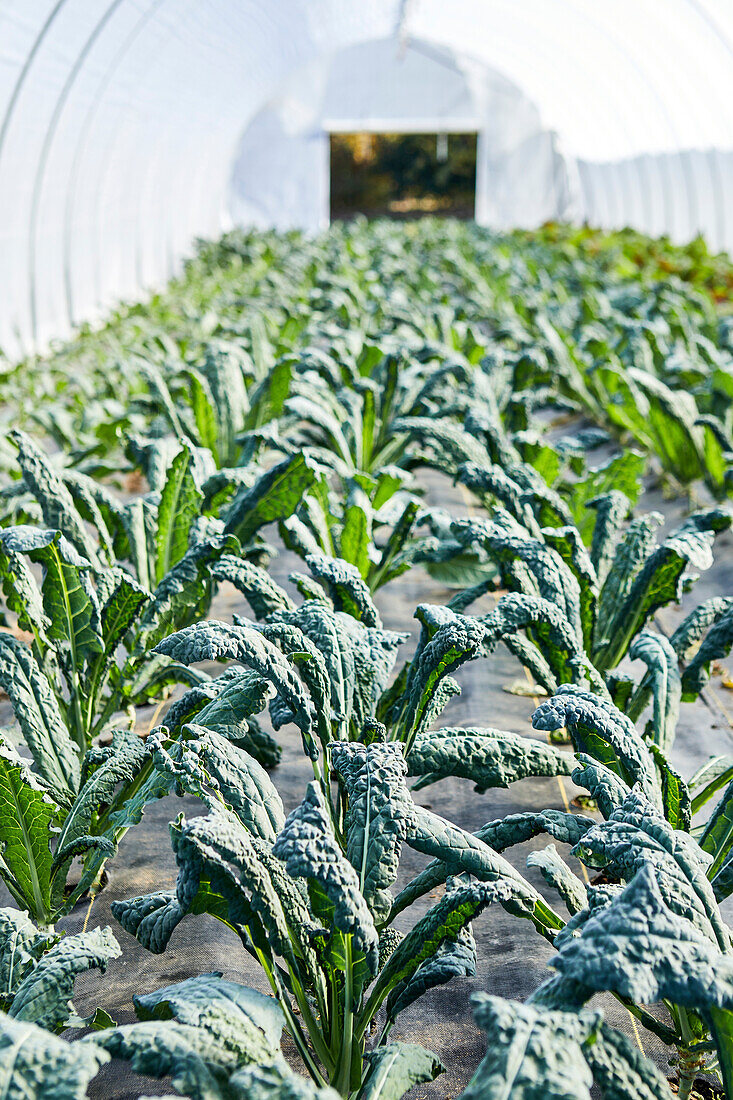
367, 1014
384, 1033
335, 1018
343, 1072
688, 1062
293, 1026
311, 1024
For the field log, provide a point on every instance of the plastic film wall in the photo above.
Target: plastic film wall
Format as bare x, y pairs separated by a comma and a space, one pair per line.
129, 127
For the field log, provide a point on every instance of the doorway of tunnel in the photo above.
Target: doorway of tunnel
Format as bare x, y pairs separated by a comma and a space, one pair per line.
402, 175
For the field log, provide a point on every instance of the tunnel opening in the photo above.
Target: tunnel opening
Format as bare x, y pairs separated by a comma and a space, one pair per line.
402, 175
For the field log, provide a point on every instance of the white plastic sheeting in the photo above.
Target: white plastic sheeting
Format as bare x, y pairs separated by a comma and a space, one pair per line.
128, 127
398, 85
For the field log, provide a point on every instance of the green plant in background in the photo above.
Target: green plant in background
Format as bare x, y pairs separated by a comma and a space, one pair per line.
595, 604
610, 329
151, 568
583, 585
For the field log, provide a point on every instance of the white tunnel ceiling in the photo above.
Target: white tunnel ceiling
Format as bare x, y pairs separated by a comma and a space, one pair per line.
120, 119
385, 83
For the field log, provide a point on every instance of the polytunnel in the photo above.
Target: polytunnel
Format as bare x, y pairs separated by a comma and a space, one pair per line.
366, 549
130, 127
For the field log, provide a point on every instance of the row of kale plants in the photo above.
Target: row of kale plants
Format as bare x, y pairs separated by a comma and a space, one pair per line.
107, 597
625, 330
